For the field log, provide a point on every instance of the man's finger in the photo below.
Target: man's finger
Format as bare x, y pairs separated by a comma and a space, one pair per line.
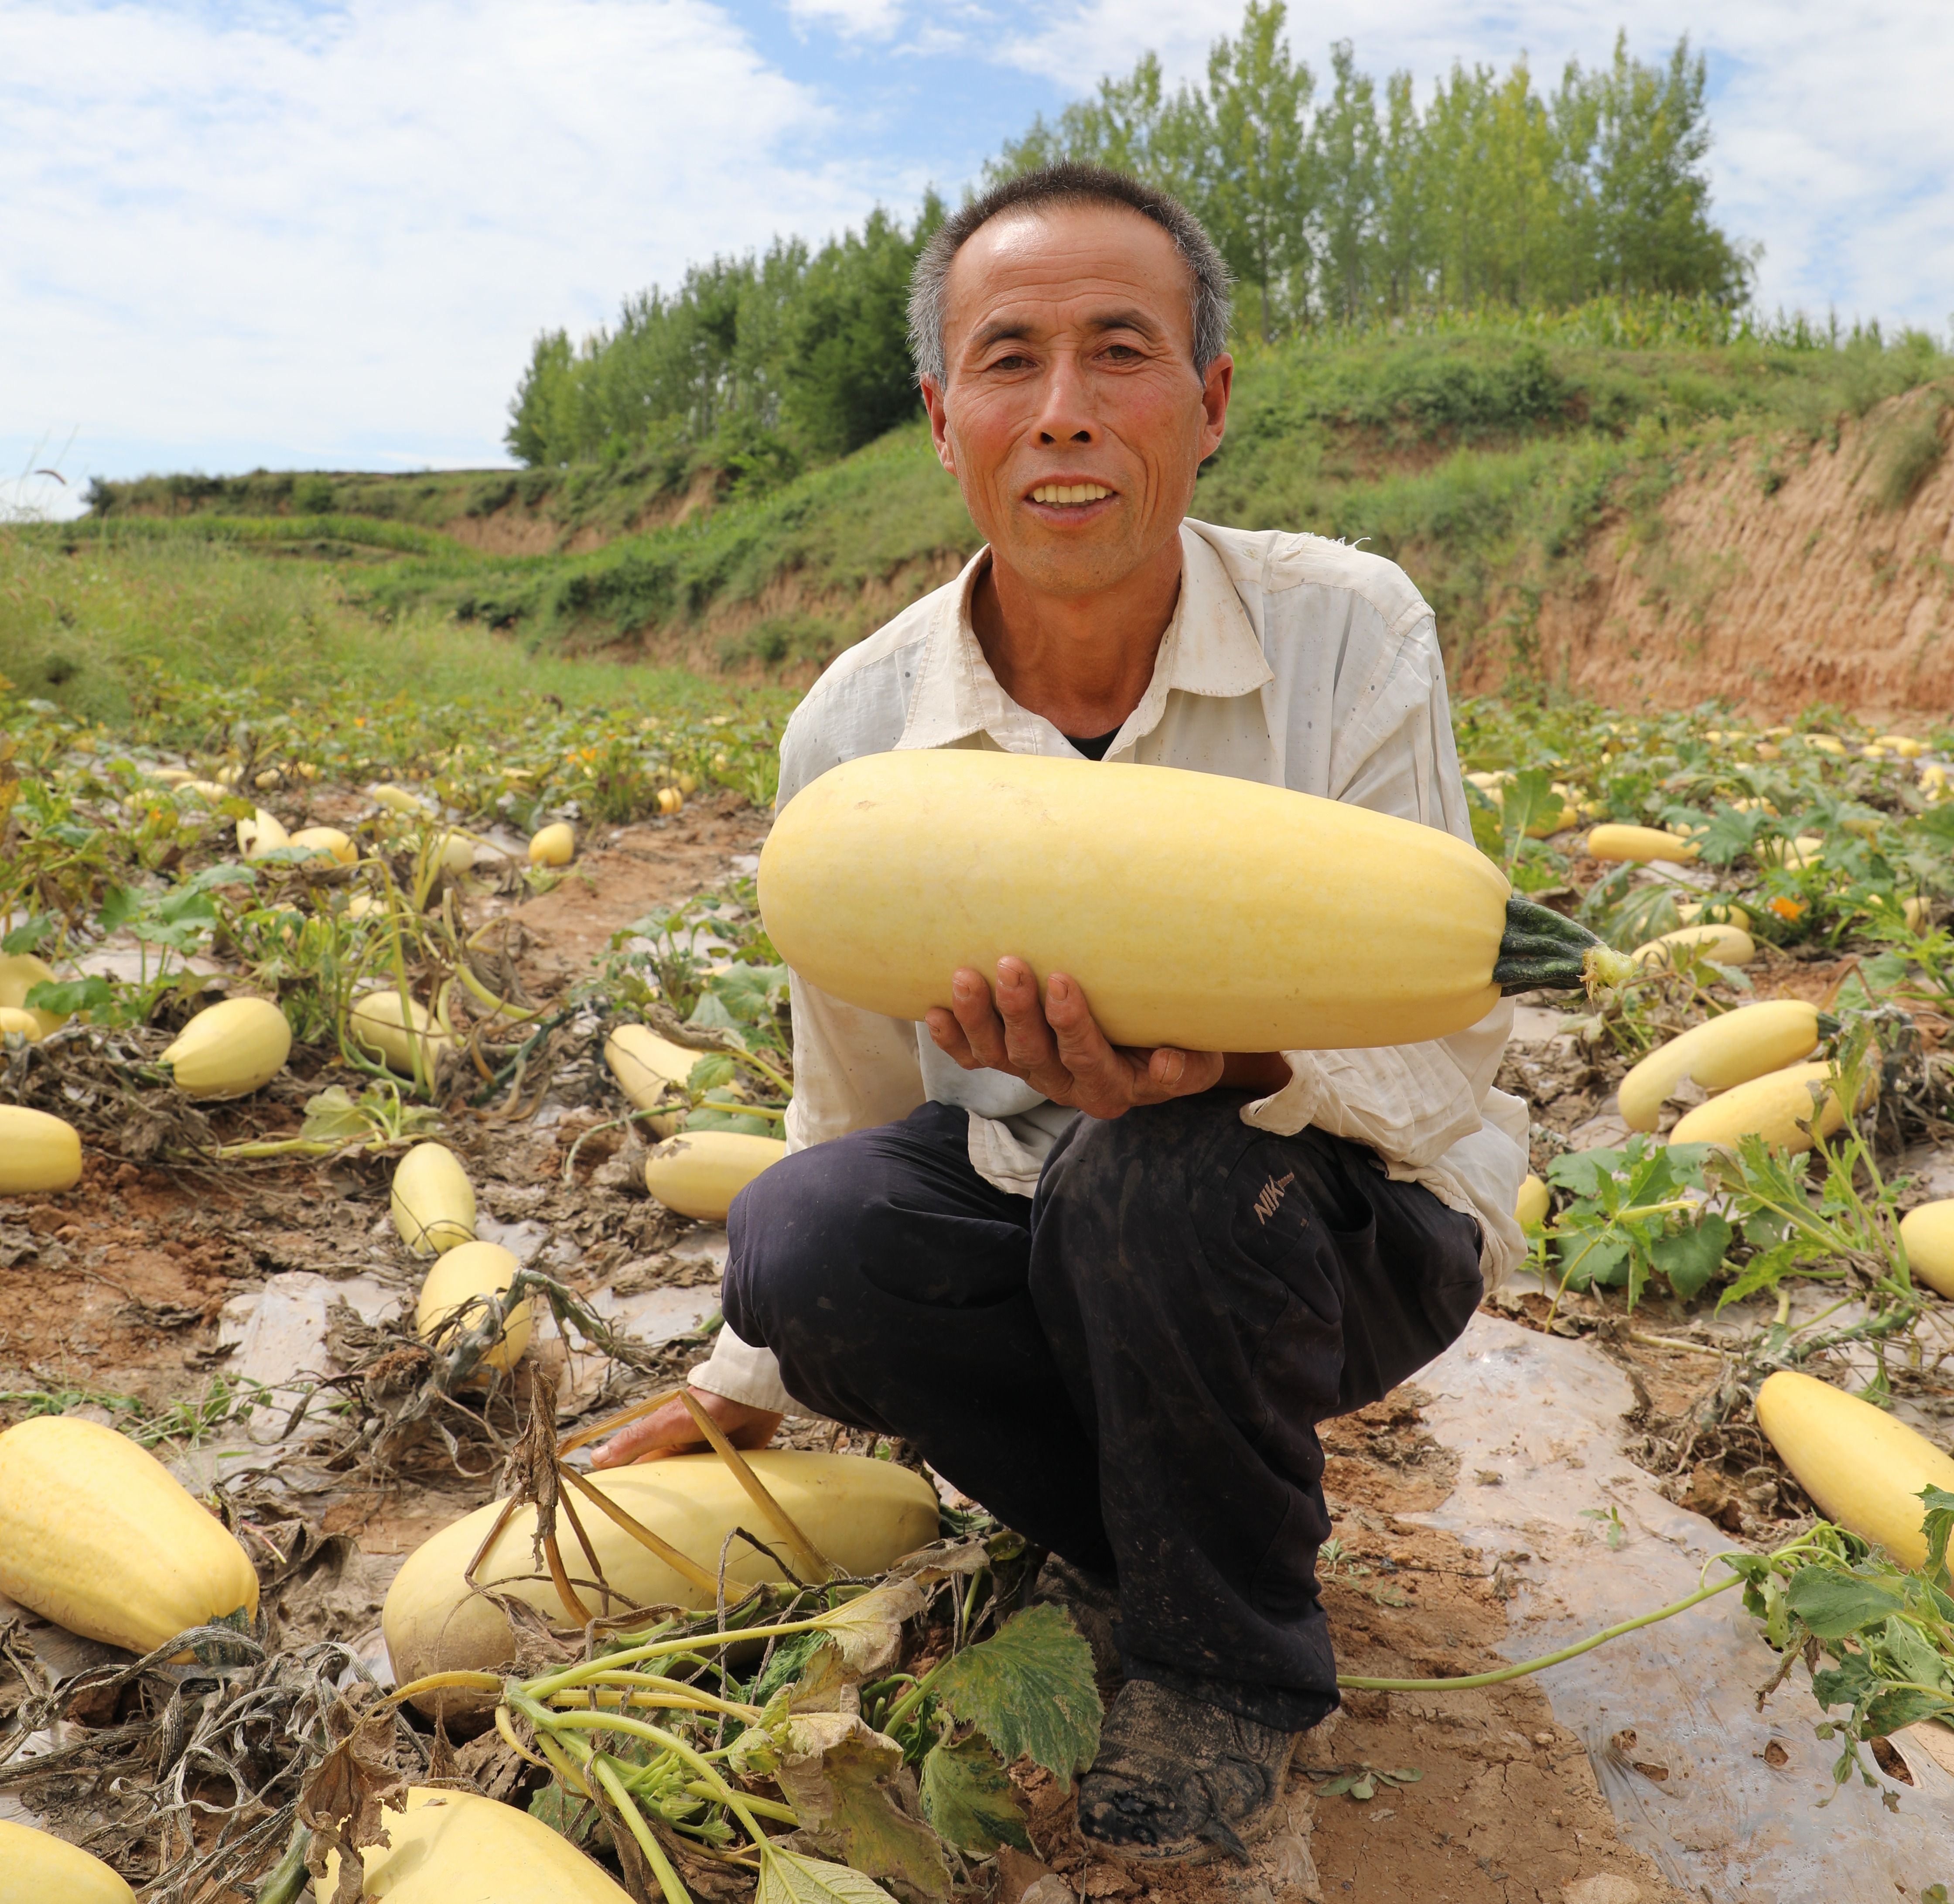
949, 1037
1028, 1038
670, 1429
983, 1030
1083, 1048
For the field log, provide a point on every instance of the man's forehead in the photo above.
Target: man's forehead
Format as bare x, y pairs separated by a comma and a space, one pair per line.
1068, 263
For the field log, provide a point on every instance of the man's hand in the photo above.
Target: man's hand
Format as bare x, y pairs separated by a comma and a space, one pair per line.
671, 1430
1056, 1047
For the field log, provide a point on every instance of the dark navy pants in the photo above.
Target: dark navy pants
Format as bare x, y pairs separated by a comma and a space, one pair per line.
1128, 1367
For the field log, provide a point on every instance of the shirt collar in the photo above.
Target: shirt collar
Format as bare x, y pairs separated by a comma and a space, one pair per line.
1211, 648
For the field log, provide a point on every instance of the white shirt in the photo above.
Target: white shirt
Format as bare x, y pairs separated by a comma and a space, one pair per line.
1290, 660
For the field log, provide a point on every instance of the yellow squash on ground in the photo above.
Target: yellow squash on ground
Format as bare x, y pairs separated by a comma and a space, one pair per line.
1865, 1469
328, 840
37, 1867
1773, 1107
1722, 944
1640, 843
39, 1152
99, 1536
433, 1201
554, 846
230, 1050
1730, 1050
20, 972
17, 1022
644, 1063
1928, 1233
1712, 912
863, 1516
1532, 1205
1195, 909
458, 1848
262, 833
457, 1282
377, 1026
699, 1173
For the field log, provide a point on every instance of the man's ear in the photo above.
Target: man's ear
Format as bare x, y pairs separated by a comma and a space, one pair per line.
1217, 384
939, 423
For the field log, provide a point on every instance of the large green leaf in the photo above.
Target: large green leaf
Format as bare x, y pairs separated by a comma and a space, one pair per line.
1904, 1705
969, 1798
1029, 1690
1834, 1604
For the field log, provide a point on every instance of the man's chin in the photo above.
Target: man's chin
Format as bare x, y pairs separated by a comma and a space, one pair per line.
1072, 561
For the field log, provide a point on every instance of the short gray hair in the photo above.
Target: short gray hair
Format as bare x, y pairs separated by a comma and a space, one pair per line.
1069, 183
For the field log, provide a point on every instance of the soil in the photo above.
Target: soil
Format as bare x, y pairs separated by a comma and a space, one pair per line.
119, 1289
1771, 575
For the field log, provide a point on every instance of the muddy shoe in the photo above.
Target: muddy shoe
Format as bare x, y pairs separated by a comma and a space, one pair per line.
1178, 1779
1093, 1601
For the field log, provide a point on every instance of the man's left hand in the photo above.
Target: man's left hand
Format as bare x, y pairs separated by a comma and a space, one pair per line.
1058, 1048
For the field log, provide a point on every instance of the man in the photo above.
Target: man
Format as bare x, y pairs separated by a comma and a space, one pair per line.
1110, 1293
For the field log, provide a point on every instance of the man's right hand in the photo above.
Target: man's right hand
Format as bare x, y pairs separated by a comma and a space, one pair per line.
671, 1430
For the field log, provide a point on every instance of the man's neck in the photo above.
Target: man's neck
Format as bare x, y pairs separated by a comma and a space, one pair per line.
1082, 661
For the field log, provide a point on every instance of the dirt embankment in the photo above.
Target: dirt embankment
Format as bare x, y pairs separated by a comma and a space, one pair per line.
1775, 576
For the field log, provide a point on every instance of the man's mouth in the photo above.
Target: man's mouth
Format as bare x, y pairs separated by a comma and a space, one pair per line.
1064, 493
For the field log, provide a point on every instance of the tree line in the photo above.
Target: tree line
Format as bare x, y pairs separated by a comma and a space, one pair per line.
1343, 204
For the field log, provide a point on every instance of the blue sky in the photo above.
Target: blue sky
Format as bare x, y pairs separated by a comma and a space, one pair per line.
322, 236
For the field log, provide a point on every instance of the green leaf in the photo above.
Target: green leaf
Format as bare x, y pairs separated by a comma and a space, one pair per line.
332, 1117
969, 1798
793, 1877
1691, 1257
712, 1071
24, 938
714, 1117
1029, 1690
68, 995
1834, 1603
568, 1816
120, 904
711, 1013
841, 1777
1937, 1525
1903, 1705
1912, 1656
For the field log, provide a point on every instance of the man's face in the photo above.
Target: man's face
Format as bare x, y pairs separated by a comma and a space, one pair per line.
1068, 341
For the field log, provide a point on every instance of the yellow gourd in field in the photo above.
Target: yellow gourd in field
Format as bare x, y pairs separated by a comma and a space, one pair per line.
863, 1516
1639, 843
39, 1152
699, 1173
230, 1050
1865, 1469
97, 1536
1904, 745
37, 1867
433, 1201
328, 840
20, 972
1772, 1107
396, 800
15, 1023
262, 833
554, 846
376, 1024
451, 1847
1532, 1205
1194, 910
644, 1063
1928, 1233
1712, 912
1729, 1050
1721, 944
457, 1284
1826, 743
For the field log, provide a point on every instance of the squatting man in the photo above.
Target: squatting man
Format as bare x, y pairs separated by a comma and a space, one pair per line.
1110, 1293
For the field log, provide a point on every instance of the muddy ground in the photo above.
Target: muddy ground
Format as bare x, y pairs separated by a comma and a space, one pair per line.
142, 1283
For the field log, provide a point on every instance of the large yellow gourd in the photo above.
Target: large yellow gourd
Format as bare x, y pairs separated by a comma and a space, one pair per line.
644, 1064
1772, 1107
1639, 843
432, 1202
1194, 910
1865, 1469
1532, 1204
1740, 1045
864, 1515
699, 1173
1928, 1233
1722, 944
230, 1050
20, 972
458, 1848
99, 1536
39, 1153
37, 1867
379, 1028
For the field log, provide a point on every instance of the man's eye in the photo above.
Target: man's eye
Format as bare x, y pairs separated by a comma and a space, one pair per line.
1122, 353
1011, 363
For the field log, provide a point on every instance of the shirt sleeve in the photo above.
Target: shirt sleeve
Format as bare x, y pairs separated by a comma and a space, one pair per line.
1425, 1108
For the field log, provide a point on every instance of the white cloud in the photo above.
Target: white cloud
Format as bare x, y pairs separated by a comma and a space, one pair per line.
1834, 140
314, 238
859, 19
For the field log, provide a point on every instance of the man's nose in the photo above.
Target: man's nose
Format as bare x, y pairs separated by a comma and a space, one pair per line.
1065, 416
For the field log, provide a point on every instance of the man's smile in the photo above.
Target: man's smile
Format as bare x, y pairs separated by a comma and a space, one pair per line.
1070, 495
